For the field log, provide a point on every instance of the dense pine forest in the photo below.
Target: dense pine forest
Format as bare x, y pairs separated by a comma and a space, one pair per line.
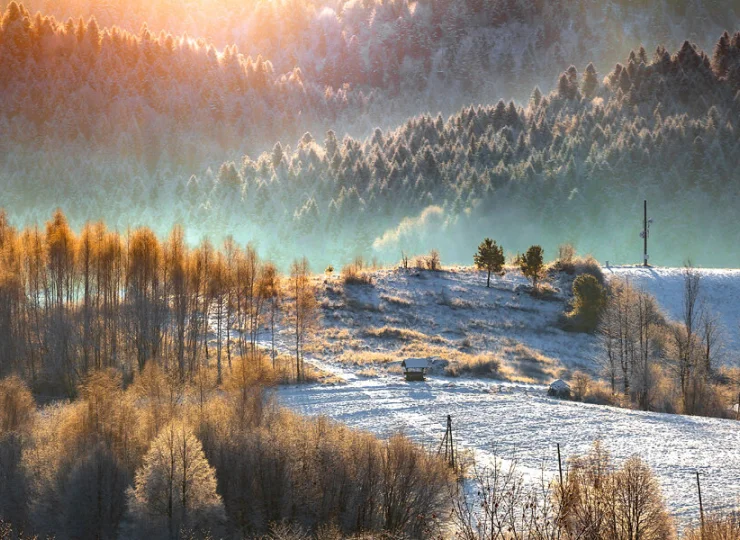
172, 146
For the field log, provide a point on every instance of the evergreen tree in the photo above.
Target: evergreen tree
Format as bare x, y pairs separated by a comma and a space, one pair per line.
490, 257
590, 81
532, 265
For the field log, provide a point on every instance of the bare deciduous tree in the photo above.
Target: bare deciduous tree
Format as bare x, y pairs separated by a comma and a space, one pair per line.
305, 309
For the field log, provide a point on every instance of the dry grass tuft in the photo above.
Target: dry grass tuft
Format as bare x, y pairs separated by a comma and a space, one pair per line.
356, 273
480, 365
392, 332
530, 365
369, 372
452, 301
362, 358
396, 300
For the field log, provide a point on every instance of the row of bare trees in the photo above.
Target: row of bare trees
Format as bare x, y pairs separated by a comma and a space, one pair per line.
595, 499
641, 347
70, 304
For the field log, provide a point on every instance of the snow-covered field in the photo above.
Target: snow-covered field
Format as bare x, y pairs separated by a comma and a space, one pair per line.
453, 313
518, 421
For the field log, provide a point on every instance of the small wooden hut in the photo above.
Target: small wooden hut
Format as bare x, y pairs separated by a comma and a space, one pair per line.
414, 369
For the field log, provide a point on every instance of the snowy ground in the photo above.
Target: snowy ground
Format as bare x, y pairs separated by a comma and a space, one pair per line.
518, 421
454, 314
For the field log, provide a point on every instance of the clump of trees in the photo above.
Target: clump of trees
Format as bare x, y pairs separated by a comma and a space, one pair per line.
657, 363
77, 303
178, 459
596, 499
610, 502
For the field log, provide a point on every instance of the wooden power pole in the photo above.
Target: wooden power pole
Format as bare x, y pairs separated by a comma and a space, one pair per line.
447, 444
701, 505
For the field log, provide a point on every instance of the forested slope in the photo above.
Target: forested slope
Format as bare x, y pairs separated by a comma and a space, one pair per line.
427, 53
132, 128
573, 165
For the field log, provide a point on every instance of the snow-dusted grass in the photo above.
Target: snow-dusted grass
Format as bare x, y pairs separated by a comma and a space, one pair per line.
452, 318
479, 331
519, 422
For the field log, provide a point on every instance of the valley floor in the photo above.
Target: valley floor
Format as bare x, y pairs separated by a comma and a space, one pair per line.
519, 422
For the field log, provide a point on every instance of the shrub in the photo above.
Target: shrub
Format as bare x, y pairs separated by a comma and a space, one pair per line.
482, 365
589, 299
433, 261
566, 254
355, 274
588, 265
580, 384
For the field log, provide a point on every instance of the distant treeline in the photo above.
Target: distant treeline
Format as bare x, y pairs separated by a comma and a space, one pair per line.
573, 165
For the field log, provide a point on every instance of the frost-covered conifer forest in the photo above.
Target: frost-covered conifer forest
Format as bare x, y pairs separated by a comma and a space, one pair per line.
291, 269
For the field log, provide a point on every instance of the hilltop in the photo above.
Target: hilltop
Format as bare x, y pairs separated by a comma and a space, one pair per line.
451, 318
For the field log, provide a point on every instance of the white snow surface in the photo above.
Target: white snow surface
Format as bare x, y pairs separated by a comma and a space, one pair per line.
719, 293
518, 421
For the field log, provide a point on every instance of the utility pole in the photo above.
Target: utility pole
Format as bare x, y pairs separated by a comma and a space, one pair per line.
560, 467
645, 233
447, 444
701, 505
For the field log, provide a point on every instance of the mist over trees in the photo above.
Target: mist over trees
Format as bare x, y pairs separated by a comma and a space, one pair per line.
428, 54
573, 165
150, 128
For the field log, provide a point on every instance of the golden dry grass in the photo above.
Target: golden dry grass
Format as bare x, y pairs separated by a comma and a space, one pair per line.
393, 332
362, 358
368, 372
479, 365
530, 365
396, 300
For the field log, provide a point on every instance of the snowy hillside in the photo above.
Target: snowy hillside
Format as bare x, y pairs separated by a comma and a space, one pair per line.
450, 316
719, 294
451, 313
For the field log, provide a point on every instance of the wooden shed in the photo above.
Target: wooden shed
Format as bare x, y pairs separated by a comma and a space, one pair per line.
414, 368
